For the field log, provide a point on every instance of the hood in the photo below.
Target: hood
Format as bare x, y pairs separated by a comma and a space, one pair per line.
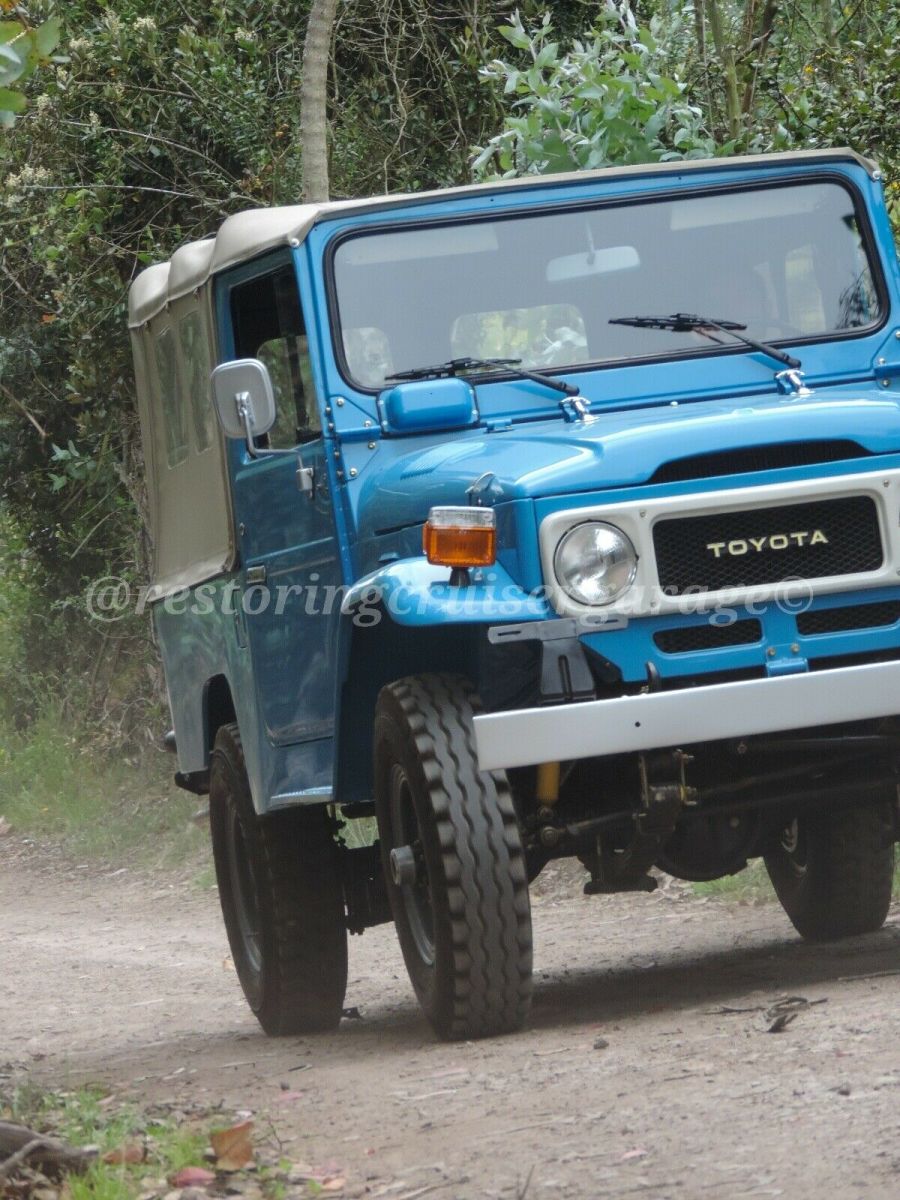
613, 449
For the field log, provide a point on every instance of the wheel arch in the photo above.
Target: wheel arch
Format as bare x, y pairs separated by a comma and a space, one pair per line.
376, 654
218, 709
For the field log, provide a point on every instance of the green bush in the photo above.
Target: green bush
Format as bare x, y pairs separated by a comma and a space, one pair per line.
605, 101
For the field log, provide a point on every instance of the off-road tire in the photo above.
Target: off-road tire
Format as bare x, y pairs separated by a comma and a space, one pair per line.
833, 873
477, 979
280, 874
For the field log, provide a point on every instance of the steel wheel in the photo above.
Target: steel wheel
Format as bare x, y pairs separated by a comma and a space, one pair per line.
282, 900
453, 860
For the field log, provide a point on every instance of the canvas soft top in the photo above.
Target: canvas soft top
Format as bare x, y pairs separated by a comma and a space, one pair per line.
249, 233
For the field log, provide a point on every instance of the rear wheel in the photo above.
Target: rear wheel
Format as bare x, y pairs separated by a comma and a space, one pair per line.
453, 860
833, 872
282, 901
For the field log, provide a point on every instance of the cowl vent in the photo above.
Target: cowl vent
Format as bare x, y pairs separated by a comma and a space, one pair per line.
757, 458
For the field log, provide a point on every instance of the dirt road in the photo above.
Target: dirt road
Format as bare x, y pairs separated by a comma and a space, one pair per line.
126, 981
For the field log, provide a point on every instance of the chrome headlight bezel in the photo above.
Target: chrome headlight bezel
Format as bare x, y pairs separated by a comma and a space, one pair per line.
619, 548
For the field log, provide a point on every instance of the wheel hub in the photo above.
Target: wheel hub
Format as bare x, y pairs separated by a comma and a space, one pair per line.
404, 868
407, 866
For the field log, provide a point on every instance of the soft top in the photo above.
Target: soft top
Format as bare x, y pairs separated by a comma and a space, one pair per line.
256, 230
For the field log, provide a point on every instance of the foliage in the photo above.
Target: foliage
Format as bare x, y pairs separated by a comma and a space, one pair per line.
157, 128
839, 87
606, 100
720, 77
408, 102
21, 50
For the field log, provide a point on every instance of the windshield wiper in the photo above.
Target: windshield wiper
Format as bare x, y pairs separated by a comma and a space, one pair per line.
456, 365
690, 322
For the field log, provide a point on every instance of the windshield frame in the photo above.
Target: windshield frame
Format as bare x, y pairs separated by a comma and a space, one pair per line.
595, 203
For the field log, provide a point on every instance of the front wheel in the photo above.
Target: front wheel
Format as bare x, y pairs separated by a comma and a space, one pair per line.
282, 901
453, 860
834, 872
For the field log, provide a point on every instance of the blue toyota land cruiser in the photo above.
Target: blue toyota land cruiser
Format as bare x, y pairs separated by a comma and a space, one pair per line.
553, 517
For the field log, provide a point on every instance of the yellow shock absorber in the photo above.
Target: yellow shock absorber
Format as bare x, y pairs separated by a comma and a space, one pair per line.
548, 784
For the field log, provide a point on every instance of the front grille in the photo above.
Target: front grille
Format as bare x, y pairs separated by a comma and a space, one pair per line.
851, 616
756, 458
707, 637
768, 545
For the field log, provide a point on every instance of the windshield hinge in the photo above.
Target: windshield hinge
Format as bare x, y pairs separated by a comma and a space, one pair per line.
790, 383
575, 408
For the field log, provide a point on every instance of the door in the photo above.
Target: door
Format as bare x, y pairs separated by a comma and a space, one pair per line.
286, 534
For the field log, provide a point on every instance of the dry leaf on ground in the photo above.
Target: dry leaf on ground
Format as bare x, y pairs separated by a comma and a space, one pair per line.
192, 1177
233, 1147
130, 1154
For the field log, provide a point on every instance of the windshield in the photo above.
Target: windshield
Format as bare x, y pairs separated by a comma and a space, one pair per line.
788, 262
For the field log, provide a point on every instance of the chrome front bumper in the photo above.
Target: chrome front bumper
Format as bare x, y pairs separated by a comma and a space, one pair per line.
528, 736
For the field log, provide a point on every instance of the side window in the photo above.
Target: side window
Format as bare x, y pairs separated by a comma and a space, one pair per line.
195, 364
297, 420
268, 325
173, 411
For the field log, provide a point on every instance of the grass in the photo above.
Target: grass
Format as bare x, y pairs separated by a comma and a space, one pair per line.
749, 886
752, 886
88, 1117
361, 831
205, 879
85, 1117
55, 785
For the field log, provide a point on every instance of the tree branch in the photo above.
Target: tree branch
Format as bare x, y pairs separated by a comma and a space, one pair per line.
14, 400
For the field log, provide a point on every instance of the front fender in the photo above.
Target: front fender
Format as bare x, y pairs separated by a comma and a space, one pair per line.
413, 592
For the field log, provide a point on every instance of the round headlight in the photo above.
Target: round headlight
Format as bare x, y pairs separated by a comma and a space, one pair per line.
595, 563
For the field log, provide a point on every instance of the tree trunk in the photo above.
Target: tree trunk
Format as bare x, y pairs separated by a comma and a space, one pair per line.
314, 100
827, 23
761, 41
725, 53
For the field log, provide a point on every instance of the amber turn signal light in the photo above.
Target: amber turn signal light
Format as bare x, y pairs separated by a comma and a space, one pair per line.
460, 537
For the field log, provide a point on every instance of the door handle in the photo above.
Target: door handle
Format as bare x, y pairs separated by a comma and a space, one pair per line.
306, 481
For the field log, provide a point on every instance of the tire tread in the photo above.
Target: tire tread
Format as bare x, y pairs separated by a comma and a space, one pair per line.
482, 859
301, 910
848, 891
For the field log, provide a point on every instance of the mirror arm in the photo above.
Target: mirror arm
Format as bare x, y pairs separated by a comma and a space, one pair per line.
304, 474
242, 402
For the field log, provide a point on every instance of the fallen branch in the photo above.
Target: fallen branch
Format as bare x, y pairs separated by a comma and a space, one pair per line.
16, 1160
20, 1145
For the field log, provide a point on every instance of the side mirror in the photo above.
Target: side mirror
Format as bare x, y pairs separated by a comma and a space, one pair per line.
243, 399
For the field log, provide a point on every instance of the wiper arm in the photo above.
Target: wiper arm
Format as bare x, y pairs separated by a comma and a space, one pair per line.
687, 322
457, 365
